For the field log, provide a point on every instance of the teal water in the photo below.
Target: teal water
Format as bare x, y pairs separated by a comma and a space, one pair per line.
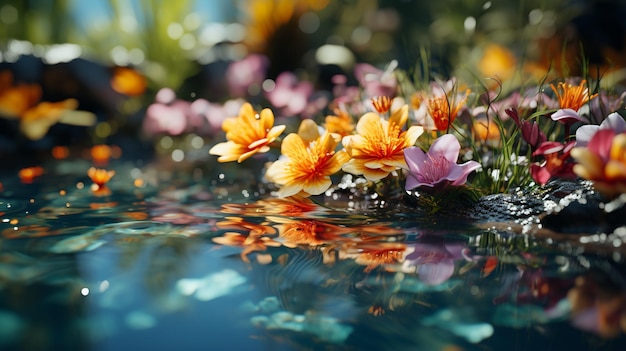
201, 257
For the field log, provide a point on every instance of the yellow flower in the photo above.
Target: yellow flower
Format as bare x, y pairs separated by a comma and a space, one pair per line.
572, 96
247, 134
497, 61
378, 148
307, 168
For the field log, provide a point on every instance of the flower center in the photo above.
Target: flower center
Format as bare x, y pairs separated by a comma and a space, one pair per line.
433, 169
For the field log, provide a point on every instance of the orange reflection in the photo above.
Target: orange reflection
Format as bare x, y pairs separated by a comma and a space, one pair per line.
292, 206
373, 255
33, 230
249, 243
253, 229
308, 232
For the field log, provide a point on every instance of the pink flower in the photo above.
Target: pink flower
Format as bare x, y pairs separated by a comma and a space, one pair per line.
243, 74
438, 166
614, 122
290, 95
557, 162
603, 161
568, 116
167, 114
377, 82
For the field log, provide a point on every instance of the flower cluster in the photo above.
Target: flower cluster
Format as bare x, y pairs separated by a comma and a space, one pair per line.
434, 138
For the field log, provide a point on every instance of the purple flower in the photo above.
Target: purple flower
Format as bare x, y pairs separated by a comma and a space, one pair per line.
613, 122
438, 166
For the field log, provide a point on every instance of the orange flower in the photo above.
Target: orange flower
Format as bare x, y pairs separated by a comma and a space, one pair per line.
486, 131
340, 123
128, 81
378, 148
572, 97
382, 104
308, 166
247, 134
100, 176
443, 111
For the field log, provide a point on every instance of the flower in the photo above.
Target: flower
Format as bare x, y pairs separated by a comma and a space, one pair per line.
571, 99
244, 74
530, 130
290, 95
603, 161
443, 111
307, 168
376, 82
99, 176
378, 148
497, 61
556, 162
382, 104
487, 131
340, 123
247, 134
438, 166
167, 114
128, 81
614, 122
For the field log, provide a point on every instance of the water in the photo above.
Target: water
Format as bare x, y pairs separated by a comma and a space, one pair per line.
200, 257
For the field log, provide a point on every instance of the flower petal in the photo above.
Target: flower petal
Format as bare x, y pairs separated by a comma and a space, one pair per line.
446, 145
414, 157
290, 189
317, 185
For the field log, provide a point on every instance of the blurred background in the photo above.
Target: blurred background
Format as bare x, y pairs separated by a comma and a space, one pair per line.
85, 72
